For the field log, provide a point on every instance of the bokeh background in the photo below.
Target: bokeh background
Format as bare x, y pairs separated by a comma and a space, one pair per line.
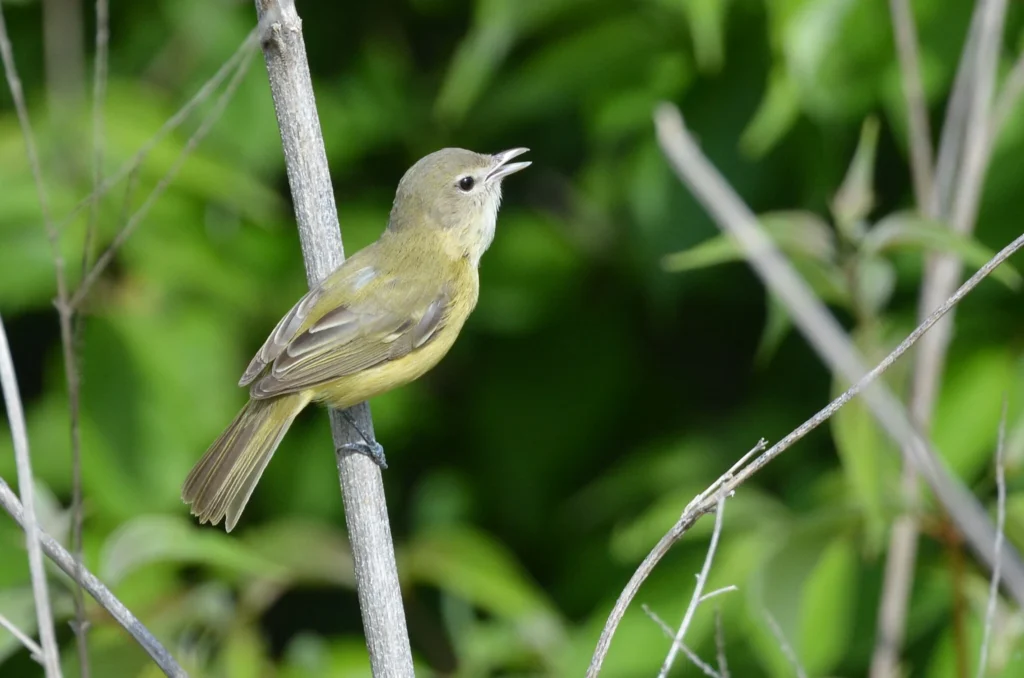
599, 385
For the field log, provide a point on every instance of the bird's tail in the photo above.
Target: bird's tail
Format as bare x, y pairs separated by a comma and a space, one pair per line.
220, 484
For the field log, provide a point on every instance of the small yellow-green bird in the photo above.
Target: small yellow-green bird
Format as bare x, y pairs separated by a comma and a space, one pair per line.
382, 319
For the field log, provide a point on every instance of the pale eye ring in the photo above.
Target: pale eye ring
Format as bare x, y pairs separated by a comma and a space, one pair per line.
466, 183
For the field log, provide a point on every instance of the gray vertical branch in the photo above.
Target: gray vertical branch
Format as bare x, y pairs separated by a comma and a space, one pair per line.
380, 596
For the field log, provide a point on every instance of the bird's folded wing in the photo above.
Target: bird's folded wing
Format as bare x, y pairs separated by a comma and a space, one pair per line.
399, 316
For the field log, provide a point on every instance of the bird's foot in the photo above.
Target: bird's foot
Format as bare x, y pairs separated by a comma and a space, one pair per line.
371, 449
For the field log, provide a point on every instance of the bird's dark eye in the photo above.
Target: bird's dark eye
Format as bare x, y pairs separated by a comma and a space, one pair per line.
466, 183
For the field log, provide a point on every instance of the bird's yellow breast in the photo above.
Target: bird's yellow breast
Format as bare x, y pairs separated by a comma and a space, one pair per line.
355, 388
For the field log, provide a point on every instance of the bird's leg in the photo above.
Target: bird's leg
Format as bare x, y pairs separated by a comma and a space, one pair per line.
368, 446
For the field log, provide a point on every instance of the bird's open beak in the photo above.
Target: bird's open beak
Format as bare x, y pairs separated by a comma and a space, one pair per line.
502, 167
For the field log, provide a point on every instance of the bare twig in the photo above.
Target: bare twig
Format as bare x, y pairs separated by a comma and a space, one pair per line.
204, 128
968, 137
828, 338
129, 166
32, 646
1008, 98
954, 125
99, 93
899, 575
64, 48
919, 130
734, 478
993, 592
723, 665
695, 599
46, 633
976, 136
690, 654
717, 592
26, 483
787, 649
757, 449
95, 588
362, 488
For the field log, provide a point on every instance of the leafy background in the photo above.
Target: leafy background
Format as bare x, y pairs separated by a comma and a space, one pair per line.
600, 384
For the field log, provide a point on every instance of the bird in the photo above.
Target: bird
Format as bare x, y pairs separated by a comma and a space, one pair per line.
383, 318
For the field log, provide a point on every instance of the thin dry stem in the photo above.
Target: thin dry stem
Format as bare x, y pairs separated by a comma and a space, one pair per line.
129, 166
993, 592
64, 51
732, 480
954, 125
976, 137
122, 235
1009, 97
32, 646
827, 337
967, 137
26, 483
690, 654
723, 665
51, 660
717, 592
99, 89
94, 587
917, 110
362, 487
695, 599
787, 649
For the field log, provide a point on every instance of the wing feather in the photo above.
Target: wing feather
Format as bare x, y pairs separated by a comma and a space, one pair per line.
405, 316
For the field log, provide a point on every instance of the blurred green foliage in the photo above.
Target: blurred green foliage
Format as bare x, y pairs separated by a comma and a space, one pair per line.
620, 358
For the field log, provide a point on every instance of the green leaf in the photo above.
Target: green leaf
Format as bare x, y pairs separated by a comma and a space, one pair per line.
778, 111
777, 325
795, 586
309, 552
856, 195
153, 539
828, 606
967, 414
835, 53
497, 26
582, 66
797, 233
468, 563
875, 279
309, 655
244, 654
907, 231
707, 30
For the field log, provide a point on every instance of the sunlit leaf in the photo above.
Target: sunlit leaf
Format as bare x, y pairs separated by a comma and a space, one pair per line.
776, 114
245, 654
706, 20
150, 539
834, 53
828, 605
906, 231
808, 557
307, 551
967, 414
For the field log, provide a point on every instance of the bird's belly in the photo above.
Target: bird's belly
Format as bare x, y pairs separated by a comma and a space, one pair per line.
355, 388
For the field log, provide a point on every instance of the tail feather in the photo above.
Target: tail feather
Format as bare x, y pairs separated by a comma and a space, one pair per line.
220, 484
